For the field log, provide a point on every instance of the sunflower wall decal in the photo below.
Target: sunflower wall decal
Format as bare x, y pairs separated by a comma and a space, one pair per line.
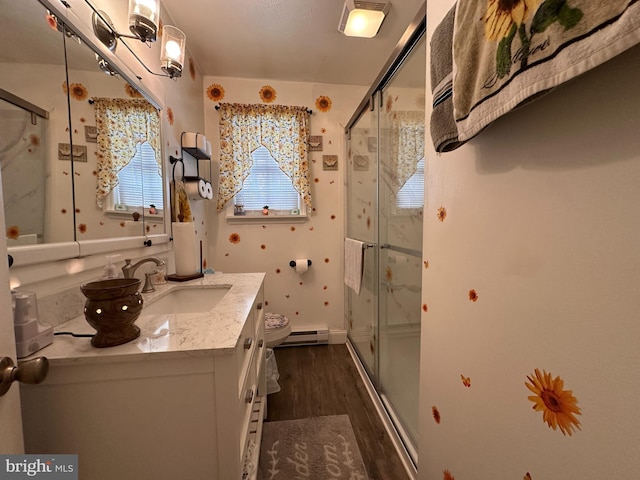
215, 92
558, 406
473, 295
267, 94
13, 232
436, 414
79, 92
192, 69
323, 103
131, 91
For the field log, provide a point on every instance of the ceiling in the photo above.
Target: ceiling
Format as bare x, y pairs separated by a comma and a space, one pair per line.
295, 40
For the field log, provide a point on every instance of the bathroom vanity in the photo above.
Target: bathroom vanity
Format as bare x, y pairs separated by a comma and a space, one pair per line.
184, 400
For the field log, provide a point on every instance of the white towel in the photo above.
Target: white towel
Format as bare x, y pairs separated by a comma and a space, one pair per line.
353, 253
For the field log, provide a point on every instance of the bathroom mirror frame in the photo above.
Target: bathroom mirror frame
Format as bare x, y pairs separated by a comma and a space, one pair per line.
77, 15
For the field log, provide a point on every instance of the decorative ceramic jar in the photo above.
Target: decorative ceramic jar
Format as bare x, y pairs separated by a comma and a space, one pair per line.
111, 308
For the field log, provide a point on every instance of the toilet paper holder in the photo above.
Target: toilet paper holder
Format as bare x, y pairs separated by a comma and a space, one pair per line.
292, 263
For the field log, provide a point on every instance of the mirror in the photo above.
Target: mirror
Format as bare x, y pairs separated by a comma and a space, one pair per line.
32, 75
49, 157
125, 210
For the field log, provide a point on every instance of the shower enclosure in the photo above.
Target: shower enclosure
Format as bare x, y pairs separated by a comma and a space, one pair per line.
23, 160
385, 199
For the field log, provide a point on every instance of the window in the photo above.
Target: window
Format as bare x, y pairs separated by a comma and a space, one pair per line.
129, 190
263, 161
411, 195
266, 184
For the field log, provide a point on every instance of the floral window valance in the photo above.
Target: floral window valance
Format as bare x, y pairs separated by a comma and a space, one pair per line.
407, 146
283, 130
121, 124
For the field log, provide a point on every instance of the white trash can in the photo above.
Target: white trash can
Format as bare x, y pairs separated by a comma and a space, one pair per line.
272, 372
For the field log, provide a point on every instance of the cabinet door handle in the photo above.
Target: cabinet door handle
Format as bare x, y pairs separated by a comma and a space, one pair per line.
247, 343
259, 306
248, 397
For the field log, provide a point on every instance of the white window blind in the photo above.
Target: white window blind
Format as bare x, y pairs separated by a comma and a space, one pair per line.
411, 195
143, 166
267, 185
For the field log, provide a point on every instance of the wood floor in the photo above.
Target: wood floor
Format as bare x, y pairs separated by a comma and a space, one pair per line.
323, 380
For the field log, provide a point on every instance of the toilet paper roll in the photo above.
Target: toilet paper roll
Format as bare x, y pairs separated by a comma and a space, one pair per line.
209, 191
193, 190
184, 248
189, 140
208, 149
302, 265
201, 142
202, 188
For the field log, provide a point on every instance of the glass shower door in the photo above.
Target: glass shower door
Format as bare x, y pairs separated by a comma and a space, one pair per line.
362, 225
401, 202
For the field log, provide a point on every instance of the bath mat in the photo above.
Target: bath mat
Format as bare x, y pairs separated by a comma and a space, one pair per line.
317, 448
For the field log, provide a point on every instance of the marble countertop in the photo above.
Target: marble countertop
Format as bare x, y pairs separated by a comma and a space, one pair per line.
211, 332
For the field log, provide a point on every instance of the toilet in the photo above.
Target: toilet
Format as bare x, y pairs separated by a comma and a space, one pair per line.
277, 329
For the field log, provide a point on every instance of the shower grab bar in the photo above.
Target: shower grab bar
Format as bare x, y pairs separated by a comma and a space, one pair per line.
406, 251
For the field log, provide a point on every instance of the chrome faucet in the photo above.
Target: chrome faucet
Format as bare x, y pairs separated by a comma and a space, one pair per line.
128, 270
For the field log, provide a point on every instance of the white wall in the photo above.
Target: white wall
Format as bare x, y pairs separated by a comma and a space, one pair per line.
315, 298
542, 221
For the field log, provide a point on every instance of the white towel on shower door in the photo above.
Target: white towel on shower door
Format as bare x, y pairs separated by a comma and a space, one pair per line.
353, 256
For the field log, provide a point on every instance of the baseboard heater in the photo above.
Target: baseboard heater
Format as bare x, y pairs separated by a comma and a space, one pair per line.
307, 337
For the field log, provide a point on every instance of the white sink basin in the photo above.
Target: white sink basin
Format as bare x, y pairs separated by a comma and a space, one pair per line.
186, 300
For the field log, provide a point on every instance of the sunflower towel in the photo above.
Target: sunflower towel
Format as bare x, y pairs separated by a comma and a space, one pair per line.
506, 53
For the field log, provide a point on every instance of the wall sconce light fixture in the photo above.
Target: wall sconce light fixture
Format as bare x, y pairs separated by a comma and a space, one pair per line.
143, 15
106, 67
362, 18
172, 52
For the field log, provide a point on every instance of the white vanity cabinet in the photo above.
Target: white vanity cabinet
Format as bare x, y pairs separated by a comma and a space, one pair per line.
185, 400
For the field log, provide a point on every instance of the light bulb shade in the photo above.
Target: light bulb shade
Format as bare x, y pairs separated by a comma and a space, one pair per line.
362, 18
143, 19
172, 53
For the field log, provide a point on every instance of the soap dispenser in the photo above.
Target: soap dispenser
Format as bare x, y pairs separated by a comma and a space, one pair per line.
110, 270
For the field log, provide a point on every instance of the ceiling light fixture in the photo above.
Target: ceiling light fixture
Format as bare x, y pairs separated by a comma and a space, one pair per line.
361, 18
143, 15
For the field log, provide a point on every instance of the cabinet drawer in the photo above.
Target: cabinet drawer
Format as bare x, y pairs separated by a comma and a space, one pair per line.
244, 351
249, 395
258, 311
